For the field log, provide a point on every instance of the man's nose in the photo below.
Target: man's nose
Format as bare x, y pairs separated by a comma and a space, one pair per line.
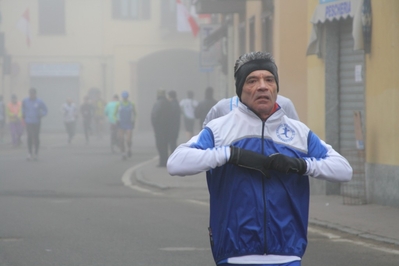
263, 85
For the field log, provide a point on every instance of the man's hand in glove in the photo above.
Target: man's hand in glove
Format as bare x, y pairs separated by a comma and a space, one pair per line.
250, 159
286, 164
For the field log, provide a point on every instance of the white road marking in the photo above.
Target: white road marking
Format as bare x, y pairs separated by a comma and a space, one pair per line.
126, 180
183, 249
319, 232
198, 202
126, 177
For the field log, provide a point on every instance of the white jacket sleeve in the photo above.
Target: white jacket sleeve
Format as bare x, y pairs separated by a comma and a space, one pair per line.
194, 157
334, 167
221, 108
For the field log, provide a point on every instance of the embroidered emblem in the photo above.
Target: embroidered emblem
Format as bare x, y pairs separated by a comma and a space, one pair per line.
285, 133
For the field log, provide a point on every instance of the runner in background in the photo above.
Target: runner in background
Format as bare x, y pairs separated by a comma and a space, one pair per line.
14, 115
126, 116
2, 119
110, 113
33, 109
86, 110
70, 114
99, 106
188, 106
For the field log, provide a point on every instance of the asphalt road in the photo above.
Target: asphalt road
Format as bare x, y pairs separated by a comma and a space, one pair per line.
72, 208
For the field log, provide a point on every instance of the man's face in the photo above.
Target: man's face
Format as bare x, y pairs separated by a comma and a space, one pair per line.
32, 94
259, 93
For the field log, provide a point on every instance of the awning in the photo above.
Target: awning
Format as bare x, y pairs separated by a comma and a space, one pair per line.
335, 11
219, 6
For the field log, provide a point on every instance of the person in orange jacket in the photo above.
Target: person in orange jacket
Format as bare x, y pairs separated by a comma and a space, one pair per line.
14, 115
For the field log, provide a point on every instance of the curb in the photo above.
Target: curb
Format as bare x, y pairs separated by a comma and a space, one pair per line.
352, 231
141, 179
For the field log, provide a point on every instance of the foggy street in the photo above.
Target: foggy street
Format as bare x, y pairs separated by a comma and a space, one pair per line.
72, 208
199, 132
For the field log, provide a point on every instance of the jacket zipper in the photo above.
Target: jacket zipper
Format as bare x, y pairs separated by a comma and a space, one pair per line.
264, 193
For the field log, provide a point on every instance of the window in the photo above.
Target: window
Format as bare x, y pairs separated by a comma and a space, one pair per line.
252, 34
267, 34
168, 14
267, 26
242, 38
52, 17
131, 9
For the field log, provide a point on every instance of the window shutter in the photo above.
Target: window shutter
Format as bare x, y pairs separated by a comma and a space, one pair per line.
116, 7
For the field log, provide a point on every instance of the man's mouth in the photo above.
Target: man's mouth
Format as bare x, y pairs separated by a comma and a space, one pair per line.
263, 97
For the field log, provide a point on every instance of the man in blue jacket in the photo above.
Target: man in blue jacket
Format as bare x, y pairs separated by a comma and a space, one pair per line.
33, 109
258, 162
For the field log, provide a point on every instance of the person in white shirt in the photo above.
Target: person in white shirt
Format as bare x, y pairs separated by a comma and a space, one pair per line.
70, 114
188, 106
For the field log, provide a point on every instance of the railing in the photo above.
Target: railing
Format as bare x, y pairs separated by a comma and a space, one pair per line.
354, 191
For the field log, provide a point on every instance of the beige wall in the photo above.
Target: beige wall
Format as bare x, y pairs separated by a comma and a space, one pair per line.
93, 39
84, 30
290, 41
382, 85
315, 84
254, 9
290, 44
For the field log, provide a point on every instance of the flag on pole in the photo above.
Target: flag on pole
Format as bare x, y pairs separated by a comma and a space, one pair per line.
185, 21
23, 25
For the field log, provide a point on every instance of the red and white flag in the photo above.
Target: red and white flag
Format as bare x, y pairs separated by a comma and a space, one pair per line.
185, 21
23, 25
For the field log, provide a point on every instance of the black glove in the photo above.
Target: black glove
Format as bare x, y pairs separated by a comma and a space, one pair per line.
286, 164
250, 160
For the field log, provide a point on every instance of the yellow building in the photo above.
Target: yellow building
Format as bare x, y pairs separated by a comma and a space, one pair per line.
353, 57
337, 61
278, 27
73, 48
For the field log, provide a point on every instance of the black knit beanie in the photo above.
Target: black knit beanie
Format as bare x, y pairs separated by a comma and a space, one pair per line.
258, 64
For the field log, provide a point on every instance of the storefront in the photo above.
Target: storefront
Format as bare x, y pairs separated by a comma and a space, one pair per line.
340, 37
55, 83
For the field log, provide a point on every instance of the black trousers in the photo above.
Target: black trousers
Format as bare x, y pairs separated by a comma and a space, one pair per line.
32, 132
161, 142
87, 128
70, 128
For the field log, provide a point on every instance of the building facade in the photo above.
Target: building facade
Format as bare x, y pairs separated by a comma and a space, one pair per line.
73, 48
278, 27
337, 61
352, 60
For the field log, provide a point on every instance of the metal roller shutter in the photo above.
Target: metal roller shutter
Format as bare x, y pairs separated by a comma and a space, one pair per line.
351, 98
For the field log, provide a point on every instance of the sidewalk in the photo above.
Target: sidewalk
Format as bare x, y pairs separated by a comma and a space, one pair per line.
370, 221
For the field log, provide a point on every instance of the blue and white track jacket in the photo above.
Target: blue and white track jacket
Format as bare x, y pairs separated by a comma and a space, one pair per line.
250, 214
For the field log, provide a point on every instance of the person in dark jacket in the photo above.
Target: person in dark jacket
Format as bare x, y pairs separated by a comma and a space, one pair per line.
87, 111
205, 105
160, 119
174, 124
